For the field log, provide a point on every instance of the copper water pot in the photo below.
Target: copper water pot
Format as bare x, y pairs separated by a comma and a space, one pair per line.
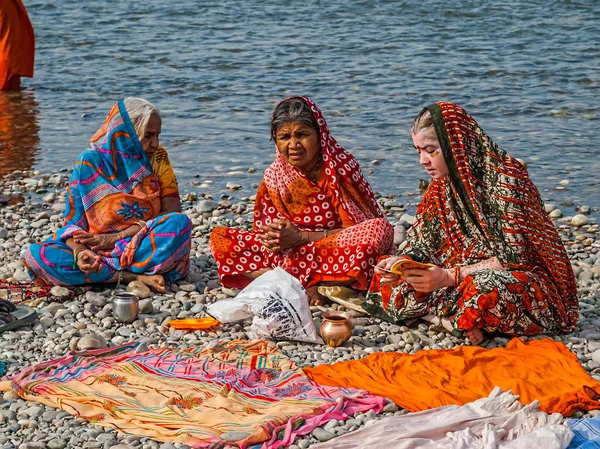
336, 328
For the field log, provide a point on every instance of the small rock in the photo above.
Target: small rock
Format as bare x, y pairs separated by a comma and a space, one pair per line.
206, 206
556, 213
146, 306
56, 443
188, 287
139, 288
61, 292
92, 341
390, 407
96, 298
579, 220
323, 435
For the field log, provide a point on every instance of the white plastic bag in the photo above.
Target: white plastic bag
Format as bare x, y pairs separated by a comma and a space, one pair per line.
279, 305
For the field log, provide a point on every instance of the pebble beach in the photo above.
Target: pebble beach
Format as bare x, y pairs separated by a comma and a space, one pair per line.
31, 207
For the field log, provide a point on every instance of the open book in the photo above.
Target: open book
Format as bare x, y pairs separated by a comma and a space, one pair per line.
405, 264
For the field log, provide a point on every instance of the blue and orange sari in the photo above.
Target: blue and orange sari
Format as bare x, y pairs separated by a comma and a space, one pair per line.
114, 185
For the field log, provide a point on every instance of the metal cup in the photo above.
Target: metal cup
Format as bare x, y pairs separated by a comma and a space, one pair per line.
126, 306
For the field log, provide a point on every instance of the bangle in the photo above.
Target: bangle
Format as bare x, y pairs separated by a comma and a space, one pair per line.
119, 279
140, 223
457, 275
75, 254
325, 233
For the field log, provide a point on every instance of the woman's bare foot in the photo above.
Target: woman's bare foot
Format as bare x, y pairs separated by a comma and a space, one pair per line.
475, 335
314, 297
155, 282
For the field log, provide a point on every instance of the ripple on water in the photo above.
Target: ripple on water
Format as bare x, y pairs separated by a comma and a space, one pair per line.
524, 69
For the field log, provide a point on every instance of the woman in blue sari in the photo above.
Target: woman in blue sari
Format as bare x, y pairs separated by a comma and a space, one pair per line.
123, 218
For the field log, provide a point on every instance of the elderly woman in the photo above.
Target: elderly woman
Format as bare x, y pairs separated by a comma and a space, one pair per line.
122, 220
498, 262
315, 215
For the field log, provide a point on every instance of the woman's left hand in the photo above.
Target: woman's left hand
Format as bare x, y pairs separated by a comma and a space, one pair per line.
98, 242
280, 235
428, 280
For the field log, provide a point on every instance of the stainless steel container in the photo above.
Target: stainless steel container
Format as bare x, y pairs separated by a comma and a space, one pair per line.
126, 306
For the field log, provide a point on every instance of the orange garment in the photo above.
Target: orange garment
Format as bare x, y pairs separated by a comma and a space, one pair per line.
17, 44
540, 369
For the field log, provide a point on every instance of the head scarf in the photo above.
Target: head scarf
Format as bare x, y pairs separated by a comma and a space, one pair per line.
286, 193
489, 197
112, 185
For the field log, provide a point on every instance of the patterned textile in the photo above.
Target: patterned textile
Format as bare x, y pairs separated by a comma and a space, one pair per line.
112, 187
486, 207
342, 199
162, 168
586, 433
30, 294
192, 396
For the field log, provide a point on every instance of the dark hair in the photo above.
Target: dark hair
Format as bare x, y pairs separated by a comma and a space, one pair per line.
292, 110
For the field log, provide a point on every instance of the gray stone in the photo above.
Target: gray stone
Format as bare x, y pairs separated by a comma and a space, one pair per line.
139, 288
59, 291
92, 341
579, 220
206, 206
556, 213
331, 425
146, 306
304, 444
34, 412
323, 435
96, 299
390, 407
57, 443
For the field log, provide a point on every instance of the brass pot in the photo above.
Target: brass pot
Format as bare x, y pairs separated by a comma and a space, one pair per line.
336, 328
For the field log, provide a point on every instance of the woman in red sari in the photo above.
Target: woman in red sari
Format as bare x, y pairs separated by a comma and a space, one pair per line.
498, 262
315, 215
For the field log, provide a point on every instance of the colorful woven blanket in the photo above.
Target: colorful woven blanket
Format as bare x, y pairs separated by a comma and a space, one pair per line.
243, 393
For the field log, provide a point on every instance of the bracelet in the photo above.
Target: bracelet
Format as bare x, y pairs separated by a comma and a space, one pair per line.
140, 223
119, 279
75, 254
457, 275
325, 233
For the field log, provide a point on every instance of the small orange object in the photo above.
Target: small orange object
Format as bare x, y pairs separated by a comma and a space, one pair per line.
194, 323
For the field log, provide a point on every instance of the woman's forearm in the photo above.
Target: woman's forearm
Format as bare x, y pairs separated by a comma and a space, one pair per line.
487, 264
71, 243
315, 236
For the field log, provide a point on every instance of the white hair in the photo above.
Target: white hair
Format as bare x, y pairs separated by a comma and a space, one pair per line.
140, 111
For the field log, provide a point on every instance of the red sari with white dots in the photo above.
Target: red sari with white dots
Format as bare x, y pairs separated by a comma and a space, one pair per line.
341, 199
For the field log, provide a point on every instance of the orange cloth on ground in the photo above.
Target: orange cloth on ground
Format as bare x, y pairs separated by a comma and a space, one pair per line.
540, 369
17, 41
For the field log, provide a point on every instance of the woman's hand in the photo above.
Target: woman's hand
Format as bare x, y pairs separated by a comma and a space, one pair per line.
383, 267
428, 280
88, 261
280, 235
97, 242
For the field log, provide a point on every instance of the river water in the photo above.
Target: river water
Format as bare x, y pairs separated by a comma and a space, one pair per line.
528, 71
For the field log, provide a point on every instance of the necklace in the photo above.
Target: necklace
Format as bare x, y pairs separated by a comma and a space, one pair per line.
316, 170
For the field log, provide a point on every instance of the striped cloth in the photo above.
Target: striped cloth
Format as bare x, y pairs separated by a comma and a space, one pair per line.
243, 391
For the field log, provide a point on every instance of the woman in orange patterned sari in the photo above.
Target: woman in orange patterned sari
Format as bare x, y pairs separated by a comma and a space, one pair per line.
315, 215
498, 262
